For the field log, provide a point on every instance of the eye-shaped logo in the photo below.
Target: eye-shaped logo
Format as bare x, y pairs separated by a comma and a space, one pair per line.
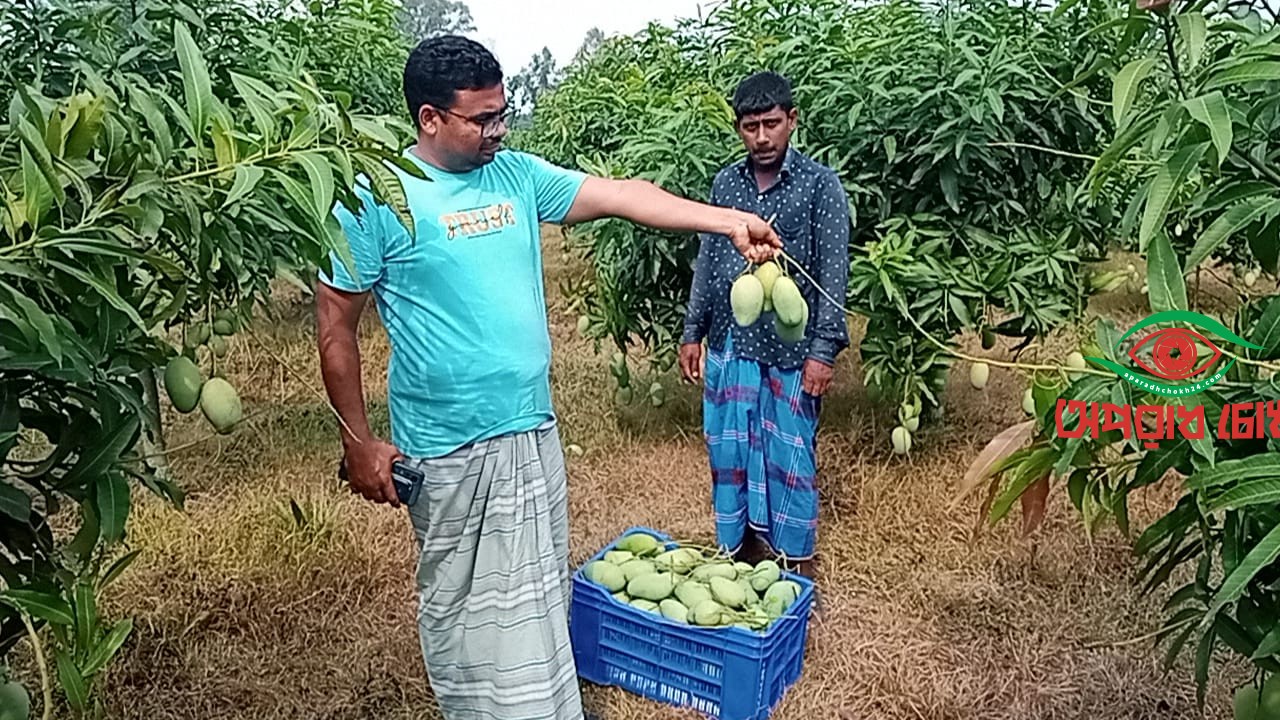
1172, 354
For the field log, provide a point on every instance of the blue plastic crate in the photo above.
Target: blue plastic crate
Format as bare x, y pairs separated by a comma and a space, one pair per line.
728, 673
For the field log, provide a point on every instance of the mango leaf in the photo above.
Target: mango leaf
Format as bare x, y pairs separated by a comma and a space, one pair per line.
73, 172
1264, 243
86, 612
1032, 470
40, 322
1167, 290
107, 648
1069, 452
1204, 446
180, 117
387, 188
117, 568
14, 503
1003, 444
1249, 72
1159, 461
1211, 111
195, 78
1176, 646
1191, 27
10, 417
154, 118
246, 179
1168, 181
1215, 199
112, 492
23, 104
1255, 466
44, 606
99, 458
1077, 484
411, 168
377, 132
72, 681
256, 97
1183, 515
1269, 646
224, 142
1117, 150
1266, 332
320, 175
1261, 556
1232, 542
1033, 502
1045, 389
1120, 510
1236, 218
1182, 595
73, 247
346, 172
1125, 88
1107, 335
1204, 653
34, 144
950, 186
106, 291
1256, 492
300, 198
305, 131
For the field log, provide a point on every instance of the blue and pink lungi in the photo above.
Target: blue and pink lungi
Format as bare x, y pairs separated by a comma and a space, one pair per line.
761, 431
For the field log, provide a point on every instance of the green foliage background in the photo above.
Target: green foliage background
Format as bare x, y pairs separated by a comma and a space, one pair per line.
989, 152
921, 109
161, 165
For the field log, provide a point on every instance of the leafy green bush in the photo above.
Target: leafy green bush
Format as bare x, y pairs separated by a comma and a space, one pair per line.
1196, 110
352, 48
140, 218
927, 115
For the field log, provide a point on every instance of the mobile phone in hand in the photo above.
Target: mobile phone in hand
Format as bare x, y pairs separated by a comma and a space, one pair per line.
407, 480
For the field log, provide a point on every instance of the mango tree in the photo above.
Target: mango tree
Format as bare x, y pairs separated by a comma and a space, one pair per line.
926, 113
1195, 103
142, 218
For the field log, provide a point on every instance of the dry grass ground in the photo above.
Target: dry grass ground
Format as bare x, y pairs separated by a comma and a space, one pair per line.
245, 612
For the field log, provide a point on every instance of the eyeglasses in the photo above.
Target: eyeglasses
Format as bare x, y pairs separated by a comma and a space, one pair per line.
488, 122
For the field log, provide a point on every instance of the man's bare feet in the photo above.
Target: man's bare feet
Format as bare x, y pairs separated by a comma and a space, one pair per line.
753, 549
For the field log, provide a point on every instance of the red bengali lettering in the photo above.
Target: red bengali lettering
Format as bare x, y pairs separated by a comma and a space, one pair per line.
1238, 422
1087, 413
1273, 419
1117, 417
1186, 416
1151, 430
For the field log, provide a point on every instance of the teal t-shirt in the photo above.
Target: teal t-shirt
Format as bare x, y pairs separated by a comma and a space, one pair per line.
463, 302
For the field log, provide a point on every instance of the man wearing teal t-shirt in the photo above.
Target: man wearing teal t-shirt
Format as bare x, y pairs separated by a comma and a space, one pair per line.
462, 301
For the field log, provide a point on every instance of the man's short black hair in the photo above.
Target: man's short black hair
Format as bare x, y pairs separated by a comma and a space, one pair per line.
761, 93
441, 66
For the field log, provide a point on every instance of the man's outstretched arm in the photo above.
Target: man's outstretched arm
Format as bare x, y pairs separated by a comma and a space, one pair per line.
644, 203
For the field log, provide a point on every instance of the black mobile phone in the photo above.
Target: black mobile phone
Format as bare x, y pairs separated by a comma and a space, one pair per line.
408, 480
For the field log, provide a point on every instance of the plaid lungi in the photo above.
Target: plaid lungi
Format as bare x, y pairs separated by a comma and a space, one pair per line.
761, 432
494, 581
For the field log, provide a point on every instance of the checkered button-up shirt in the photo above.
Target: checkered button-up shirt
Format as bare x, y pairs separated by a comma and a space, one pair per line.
812, 220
